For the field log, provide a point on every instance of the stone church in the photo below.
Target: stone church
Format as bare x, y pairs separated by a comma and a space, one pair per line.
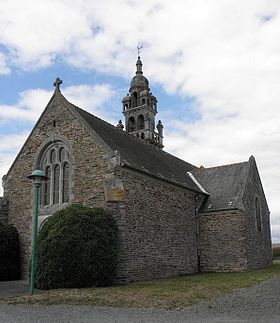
173, 217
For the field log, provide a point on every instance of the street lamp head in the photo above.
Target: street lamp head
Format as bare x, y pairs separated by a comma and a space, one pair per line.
37, 176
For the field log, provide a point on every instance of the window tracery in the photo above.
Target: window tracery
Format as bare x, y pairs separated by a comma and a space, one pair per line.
56, 165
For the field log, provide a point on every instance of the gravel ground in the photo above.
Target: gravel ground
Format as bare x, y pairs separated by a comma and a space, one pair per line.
260, 303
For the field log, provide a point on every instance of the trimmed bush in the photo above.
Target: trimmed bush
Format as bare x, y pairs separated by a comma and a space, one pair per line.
9, 253
77, 247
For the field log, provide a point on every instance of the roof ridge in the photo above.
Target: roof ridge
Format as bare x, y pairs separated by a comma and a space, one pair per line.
113, 127
202, 168
93, 115
131, 136
166, 152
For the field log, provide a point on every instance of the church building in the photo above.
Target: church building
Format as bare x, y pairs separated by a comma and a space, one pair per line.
173, 218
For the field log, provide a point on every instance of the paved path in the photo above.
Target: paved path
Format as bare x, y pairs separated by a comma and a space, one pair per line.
13, 288
260, 303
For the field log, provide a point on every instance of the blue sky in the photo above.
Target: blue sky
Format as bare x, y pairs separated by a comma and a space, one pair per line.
214, 68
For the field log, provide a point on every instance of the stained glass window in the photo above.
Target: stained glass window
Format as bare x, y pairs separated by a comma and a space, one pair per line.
65, 183
46, 187
56, 175
56, 163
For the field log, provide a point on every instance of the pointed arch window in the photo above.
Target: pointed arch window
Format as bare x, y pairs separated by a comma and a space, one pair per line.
56, 177
140, 122
46, 188
65, 183
131, 124
57, 166
61, 154
134, 99
52, 156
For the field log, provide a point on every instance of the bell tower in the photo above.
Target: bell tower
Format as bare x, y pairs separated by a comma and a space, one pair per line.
140, 108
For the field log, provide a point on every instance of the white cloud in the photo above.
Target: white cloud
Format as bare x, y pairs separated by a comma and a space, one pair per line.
92, 98
4, 69
36, 32
29, 106
12, 142
32, 102
9, 147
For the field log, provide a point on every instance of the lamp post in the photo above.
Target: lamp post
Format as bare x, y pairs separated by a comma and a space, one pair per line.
37, 177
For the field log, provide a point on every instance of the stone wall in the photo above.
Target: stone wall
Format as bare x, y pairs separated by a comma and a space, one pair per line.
89, 166
4, 209
258, 243
222, 241
159, 229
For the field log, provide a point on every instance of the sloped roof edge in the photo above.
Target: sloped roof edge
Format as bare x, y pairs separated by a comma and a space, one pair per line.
31, 132
127, 165
198, 184
252, 163
73, 109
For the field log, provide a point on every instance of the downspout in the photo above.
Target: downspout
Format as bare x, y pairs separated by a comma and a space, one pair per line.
196, 216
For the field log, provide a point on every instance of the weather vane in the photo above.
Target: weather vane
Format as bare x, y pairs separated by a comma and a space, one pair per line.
139, 49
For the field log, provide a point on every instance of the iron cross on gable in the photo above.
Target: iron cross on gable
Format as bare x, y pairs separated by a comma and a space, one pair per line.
57, 83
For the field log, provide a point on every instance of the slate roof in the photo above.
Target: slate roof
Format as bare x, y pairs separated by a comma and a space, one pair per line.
139, 155
225, 184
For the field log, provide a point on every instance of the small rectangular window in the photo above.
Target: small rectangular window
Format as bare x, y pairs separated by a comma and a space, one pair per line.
258, 215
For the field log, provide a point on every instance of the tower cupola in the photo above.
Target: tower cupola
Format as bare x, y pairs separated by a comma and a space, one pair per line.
140, 108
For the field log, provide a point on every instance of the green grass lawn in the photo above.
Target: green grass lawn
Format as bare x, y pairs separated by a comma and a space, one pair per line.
171, 293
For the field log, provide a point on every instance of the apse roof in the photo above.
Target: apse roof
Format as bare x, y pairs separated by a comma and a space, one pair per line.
224, 183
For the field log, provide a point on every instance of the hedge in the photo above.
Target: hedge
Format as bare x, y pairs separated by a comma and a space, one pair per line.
77, 247
9, 253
